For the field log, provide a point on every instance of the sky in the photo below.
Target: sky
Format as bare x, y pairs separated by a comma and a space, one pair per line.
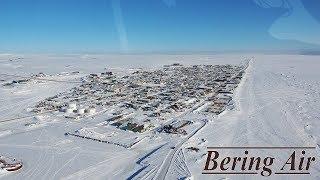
102, 26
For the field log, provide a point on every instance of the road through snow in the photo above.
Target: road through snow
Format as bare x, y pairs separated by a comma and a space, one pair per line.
163, 170
265, 116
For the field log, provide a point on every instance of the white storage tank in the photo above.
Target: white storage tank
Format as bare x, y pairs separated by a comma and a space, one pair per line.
80, 111
68, 110
91, 110
72, 106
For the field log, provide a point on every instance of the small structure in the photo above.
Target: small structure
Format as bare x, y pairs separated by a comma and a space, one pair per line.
68, 110
90, 110
72, 106
81, 110
12, 167
9, 166
173, 130
193, 149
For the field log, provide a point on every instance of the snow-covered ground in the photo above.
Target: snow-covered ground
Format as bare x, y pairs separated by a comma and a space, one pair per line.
277, 104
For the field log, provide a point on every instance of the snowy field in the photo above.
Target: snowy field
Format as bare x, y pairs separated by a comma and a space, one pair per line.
276, 104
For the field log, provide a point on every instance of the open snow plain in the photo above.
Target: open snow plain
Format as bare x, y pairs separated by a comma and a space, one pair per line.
276, 104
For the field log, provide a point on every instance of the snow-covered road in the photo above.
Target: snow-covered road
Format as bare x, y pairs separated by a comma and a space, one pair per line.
266, 115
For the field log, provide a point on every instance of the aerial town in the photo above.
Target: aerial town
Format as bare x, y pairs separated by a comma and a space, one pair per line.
159, 89
147, 100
